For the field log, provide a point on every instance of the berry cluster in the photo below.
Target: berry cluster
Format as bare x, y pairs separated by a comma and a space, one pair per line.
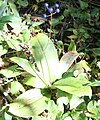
55, 9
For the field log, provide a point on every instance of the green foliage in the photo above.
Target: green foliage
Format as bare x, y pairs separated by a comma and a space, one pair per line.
49, 67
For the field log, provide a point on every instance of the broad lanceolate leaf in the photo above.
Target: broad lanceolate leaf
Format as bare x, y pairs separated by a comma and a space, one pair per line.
67, 60
74, 86
14, 44
28, 104
2, 50
80, 67
34, 82
27, 66
15, 87
45, 56
10, 73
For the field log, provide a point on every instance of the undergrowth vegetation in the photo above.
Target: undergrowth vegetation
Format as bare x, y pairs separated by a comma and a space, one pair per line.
49, 60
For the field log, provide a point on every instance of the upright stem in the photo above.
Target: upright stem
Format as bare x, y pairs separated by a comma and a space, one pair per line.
50, 26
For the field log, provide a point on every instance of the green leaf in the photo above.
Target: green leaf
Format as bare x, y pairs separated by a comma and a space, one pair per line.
74, 86
68, 118
75, 101
27, 66
72, 46
13, 8
98, 64
81, 66
57, 21
7, 116
2, 7
8, 73
2, 118
67, 60
95, 83
34, 82
23, 3
53, 110
2, 50
46, 57
14, 44
72, 37
28, 104
96, 51
93, 108
11, 19
15, 87
78, 115
38, 23
83, 4
25, 35
61, 101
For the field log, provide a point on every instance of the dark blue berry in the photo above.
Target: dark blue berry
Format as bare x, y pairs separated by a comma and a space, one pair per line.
56, 5
55, 40
50, 10
57, 10
44, 15
46, 4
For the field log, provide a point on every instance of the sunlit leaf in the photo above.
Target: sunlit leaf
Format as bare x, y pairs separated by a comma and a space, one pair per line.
75, 101
54, 110
7, 116
2, 7
14, 44
61, 101
10, 18
34, 82
45, 56
74, 86
15, 87
13, 8
10, 73
77, 115
67, 60
28, 104
95, 83
26, 35
98, 64
25, 64
2, 50
1, 62
93, 108
81, 66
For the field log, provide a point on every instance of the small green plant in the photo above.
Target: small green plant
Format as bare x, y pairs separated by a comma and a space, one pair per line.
46, 78
49, 66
